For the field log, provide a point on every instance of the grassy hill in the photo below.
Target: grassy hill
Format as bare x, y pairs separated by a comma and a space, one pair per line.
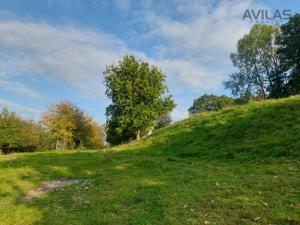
236, 166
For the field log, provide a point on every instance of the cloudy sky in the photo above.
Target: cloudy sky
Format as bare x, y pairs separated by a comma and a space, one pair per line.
57, 49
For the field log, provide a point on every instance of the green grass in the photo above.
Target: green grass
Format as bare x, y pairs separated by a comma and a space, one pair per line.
236, 166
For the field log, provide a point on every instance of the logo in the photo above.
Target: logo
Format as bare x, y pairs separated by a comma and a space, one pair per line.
267, 16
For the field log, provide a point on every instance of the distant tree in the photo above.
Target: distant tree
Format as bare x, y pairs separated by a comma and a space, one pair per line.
209, 103
11, 131
36, 137
163, 121
289, 53
19, 135
96, 137
44, 139
137, 92
70, 127
246, 98
258, 64
60, 120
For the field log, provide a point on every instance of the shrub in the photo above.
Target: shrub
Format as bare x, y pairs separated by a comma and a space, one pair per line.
208, 103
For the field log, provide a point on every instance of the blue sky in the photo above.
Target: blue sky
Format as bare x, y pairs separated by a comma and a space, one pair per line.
52, 50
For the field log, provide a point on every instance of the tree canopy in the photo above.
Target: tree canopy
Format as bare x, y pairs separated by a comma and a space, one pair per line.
289, 53
209, 103
71, 128
138, 95
19, 135
267, 62
257, 63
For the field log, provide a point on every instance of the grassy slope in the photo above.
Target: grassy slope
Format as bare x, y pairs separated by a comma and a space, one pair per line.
237, 166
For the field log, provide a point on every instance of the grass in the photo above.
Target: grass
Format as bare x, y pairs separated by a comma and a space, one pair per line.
237, 166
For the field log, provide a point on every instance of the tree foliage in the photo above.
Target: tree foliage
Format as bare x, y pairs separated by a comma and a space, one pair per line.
137, 93
289, 53
209, 103
19, 135
71, 128
268, 62
257, 63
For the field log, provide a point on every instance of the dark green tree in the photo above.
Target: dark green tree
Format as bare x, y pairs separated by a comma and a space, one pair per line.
289, 53
209, 103
258, 64
19, 135
11, 132
137, 92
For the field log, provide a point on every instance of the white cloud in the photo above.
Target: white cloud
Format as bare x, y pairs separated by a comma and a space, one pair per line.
77, 57
209, 27
193, 49
18, 107
72, 55
182, 72
196, 48
17, 87
179, 114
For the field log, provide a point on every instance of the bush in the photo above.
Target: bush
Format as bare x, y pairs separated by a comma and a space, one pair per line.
19, 135
208, 103
71, 128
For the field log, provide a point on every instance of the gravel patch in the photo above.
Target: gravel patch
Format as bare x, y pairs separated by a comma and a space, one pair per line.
49, 186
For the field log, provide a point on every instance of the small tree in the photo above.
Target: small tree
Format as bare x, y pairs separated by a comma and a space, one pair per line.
136, 90
19, 135
95, 136
257, 63
60, 121
208, 103
11, 131
70, 127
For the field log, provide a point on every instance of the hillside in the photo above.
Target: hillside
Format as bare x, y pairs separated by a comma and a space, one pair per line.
237, 166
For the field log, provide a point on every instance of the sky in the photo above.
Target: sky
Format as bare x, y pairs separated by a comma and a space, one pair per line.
52, 50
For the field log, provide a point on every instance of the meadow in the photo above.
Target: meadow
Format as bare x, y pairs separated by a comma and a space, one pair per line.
236, 166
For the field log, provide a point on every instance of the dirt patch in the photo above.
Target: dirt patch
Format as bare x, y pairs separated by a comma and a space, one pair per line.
49, 186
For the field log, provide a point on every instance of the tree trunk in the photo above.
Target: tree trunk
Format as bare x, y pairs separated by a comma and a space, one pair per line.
5, 149
260, 82
138, 135
269, 77
56, 144
64, 144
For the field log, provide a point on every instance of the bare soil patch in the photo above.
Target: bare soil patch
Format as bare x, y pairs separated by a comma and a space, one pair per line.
48, 186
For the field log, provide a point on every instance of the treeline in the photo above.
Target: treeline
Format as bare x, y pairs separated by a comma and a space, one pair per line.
267, 62
18, 135
63, 126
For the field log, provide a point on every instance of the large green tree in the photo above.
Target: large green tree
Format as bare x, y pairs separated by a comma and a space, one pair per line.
209, 103
137, 91
257, 64
289, 53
